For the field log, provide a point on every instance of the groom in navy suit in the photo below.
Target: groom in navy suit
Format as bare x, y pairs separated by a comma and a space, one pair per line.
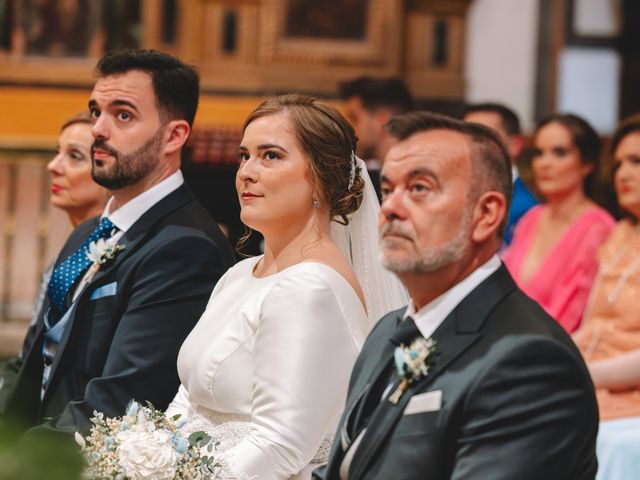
127, 287
506, 394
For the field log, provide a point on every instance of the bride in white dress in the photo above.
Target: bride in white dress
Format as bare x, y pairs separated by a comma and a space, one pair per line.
265, 371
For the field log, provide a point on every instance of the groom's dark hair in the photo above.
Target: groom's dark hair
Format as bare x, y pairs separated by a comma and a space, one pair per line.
176, 84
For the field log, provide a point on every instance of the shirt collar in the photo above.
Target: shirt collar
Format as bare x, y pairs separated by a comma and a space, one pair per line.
429, 317
514, 172
125, 216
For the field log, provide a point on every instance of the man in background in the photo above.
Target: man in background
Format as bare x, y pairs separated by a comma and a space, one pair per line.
370, 103
506, 124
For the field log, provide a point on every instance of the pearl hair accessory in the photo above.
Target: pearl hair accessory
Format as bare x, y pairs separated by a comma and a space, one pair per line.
352, 173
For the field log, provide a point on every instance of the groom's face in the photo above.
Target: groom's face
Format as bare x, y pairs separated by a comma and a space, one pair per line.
127, 129
425, 218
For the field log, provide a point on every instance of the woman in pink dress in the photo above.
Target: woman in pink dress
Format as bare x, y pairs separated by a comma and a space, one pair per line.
553, 254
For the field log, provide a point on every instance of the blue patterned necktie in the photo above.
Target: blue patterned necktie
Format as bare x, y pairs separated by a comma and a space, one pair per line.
66, 274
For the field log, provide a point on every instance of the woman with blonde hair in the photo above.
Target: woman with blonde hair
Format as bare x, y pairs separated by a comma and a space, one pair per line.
72, 188
73, 191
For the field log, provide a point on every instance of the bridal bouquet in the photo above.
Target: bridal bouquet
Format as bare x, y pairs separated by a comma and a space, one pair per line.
145, 444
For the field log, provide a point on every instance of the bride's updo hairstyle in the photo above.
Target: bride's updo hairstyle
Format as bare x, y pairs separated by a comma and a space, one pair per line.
329, 143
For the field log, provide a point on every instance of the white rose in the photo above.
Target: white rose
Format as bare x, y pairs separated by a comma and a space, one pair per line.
147, 455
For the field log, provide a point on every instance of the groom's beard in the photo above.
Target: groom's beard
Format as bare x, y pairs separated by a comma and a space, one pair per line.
128, 168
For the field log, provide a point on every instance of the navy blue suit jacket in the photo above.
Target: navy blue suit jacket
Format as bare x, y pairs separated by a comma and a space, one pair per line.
128, 324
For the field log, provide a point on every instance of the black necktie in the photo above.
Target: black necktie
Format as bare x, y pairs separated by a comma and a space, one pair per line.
405, 333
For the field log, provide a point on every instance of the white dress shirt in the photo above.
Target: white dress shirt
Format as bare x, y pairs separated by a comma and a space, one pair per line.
429, 317
128, 214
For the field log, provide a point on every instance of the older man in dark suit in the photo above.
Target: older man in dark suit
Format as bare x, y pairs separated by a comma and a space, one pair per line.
473, 379
129, 286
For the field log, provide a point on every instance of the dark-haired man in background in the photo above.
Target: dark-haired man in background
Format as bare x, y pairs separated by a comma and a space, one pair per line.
115, 317
506, 124
369, 104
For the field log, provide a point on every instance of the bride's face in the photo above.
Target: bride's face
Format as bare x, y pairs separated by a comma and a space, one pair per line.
274, 180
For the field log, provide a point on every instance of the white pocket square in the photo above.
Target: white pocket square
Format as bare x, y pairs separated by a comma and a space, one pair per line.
424, 402
107, 290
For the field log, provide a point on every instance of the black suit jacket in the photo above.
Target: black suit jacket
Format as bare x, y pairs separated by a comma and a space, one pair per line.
123, 344
517, 399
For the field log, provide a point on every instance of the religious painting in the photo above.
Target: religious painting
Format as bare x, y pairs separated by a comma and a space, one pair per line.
122, 23
77, 28
337, 19
344, 32
58, 28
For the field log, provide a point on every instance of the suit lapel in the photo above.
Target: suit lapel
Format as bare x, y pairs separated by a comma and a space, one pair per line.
83, 231
130, 240
138, 230
358, 407
86, 287
369, 378
461, 329
449, 346
360, 387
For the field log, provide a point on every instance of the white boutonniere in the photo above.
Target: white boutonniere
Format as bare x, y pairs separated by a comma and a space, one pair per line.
412, 363
100, 252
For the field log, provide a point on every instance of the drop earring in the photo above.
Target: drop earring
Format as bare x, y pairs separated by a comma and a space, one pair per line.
316, 203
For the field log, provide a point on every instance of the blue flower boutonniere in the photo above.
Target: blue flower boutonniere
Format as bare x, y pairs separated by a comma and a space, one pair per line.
412, 363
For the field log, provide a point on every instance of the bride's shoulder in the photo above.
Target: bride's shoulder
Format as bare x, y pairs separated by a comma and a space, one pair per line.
335, 266
322, 278
319, 295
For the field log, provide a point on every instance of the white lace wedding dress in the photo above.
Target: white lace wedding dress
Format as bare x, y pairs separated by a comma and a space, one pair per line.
265, 370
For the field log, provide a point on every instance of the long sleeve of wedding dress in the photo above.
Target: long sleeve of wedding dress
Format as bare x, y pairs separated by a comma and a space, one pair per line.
282, 361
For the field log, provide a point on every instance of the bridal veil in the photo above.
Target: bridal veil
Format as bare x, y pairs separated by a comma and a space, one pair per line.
358, 242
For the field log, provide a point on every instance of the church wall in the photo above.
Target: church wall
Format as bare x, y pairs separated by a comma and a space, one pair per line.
501, 59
